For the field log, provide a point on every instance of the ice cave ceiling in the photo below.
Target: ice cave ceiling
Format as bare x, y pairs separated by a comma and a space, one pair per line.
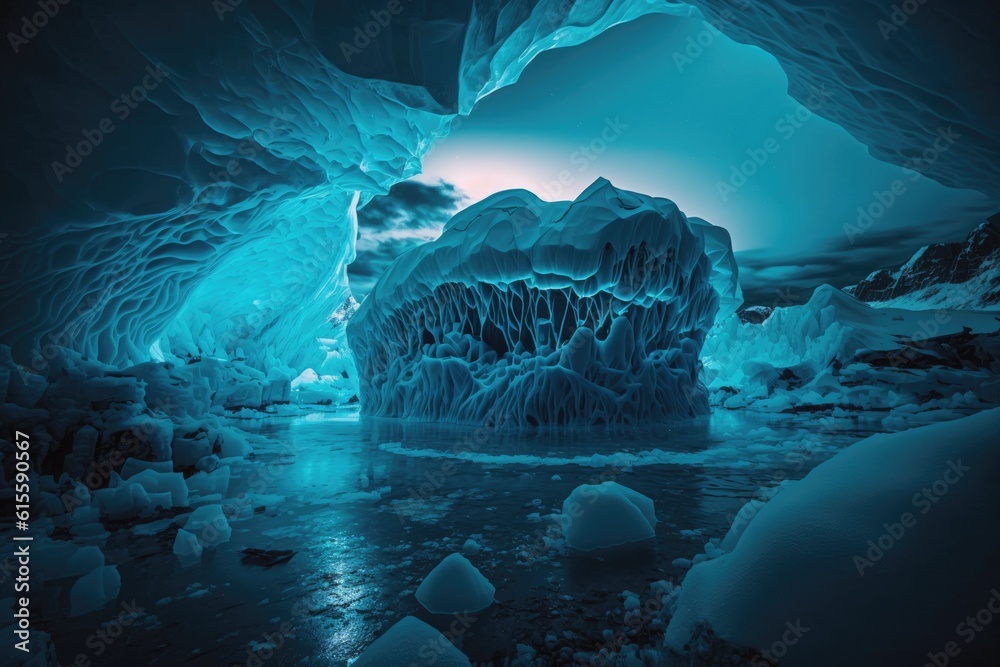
185, 174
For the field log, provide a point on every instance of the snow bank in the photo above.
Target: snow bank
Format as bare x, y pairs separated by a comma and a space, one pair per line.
876, 557
455, 586
601, 516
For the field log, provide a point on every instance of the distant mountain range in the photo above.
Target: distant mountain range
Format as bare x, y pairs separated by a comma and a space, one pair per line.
942, 275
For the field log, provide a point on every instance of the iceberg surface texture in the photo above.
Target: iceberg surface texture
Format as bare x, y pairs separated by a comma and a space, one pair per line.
529, 313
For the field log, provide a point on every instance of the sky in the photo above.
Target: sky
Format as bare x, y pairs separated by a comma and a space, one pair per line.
711, 128
412, 213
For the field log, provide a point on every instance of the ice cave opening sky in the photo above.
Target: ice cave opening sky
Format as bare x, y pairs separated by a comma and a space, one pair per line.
665, 118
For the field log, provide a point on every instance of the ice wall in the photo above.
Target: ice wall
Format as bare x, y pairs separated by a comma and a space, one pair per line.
527, 312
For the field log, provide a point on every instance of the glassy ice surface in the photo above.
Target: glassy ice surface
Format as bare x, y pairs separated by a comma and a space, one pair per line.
372, 506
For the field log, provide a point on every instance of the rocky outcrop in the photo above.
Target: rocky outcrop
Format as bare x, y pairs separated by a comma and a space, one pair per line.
934, 276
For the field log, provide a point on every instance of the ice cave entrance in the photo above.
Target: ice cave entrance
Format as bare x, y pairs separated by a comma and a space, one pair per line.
540, 272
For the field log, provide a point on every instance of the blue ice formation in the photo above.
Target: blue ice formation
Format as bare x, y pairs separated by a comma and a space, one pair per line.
529, 313
837, 351
853, 530
211, 212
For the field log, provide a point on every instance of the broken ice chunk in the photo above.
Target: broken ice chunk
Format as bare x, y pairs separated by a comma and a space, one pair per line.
601, 516
411, 641
93, 590
455, 586
82, 456
209, 525
207, 483
122, 502
133, 466
162, 482
187, 549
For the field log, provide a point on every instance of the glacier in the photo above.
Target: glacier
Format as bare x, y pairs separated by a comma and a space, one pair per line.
525, 312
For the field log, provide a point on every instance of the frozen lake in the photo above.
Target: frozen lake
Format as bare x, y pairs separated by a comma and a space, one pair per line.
372, 506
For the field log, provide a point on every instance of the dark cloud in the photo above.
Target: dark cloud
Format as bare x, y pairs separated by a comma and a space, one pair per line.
410, 205
389, 225
772, 276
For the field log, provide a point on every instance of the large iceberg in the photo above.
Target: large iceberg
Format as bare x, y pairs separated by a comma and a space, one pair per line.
530, 313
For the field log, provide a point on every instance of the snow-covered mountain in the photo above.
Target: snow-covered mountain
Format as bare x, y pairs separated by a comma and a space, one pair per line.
942, 275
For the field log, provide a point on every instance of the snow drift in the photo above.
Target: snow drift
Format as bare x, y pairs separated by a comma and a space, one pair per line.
527, 312
876, 557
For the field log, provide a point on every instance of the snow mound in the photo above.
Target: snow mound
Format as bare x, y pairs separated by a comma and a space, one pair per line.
874, 558
602, 516
455, 586
411, 642
530, 312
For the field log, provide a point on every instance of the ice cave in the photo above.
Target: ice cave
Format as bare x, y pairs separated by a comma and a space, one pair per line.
516, 333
